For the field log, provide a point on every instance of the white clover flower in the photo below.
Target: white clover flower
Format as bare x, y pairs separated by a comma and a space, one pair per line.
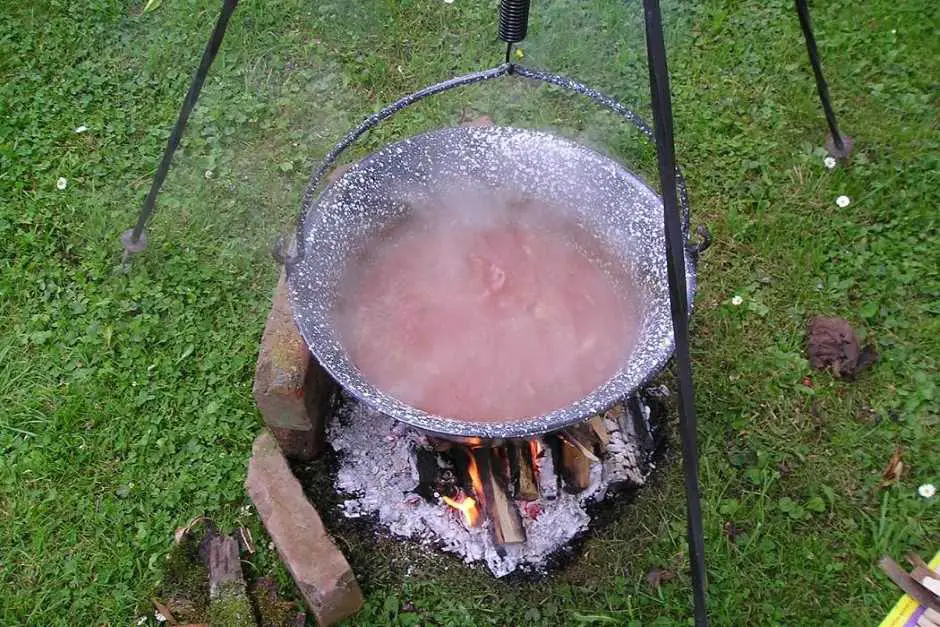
61, 183
81, 129
737, 300
208, 174
927, 490
829, 162
843, 201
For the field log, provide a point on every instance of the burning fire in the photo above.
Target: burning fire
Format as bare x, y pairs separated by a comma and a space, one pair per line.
475, 479
467, 505
535, 447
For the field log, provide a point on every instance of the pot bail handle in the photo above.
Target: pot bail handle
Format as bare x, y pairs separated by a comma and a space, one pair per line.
282, 252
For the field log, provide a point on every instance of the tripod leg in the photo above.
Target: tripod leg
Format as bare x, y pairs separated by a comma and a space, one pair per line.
135, 240
678, 297
838, 145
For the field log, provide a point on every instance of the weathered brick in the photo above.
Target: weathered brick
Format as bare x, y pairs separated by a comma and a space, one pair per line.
291, 389
320, 571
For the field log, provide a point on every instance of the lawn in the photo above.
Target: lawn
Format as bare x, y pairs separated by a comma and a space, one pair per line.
125, 396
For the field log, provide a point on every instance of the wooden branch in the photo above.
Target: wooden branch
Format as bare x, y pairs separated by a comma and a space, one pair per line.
499, 508
619, 418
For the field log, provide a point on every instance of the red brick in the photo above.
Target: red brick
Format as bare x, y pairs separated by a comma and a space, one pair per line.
320, 571
291, 389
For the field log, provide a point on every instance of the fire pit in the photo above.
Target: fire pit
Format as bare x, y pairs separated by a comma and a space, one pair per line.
512, 505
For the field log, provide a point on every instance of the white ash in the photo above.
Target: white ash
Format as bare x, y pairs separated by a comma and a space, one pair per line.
548, 480
377, 472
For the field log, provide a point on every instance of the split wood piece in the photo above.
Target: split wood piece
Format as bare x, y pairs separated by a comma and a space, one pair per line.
523, 467
600, 430
228, 594
583, 438
499, 508
908, 584
575, 466
618, 418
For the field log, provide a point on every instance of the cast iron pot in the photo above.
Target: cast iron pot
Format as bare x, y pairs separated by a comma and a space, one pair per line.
610, 202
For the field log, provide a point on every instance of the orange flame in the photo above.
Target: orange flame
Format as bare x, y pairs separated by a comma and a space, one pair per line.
535, 447
475, 479
468, 507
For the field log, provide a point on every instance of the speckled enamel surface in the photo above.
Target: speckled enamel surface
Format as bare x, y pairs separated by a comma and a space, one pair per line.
608, 200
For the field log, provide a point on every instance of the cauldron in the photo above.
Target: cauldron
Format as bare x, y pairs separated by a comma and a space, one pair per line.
609, 202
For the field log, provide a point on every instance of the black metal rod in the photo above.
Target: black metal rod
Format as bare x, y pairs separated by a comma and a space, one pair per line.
802, 10
678, 296
208, 56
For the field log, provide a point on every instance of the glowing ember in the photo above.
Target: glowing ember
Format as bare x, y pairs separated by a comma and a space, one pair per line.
468, 507
532, 509
535, 449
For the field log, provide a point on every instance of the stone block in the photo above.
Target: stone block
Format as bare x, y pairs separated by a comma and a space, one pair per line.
319, 569
291, 389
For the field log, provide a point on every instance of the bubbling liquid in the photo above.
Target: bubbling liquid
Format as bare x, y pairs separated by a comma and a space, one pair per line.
493, 315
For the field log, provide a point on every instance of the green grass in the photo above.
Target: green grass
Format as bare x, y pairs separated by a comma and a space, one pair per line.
125, 403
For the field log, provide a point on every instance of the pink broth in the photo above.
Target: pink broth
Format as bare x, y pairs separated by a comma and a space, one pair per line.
485, 320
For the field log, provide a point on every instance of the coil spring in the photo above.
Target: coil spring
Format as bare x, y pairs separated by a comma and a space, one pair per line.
513, 20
